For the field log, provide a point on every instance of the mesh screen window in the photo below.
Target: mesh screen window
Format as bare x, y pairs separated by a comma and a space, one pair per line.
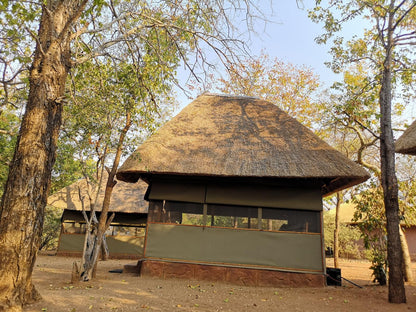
242, 217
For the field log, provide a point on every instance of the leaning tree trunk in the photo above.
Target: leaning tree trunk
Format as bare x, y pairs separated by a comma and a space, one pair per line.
389, 181
92, 250
27, 186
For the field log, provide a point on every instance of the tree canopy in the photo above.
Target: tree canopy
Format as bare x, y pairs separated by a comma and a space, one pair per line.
294, 89
385, 50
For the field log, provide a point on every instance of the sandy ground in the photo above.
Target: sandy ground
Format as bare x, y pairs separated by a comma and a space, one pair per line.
128, 292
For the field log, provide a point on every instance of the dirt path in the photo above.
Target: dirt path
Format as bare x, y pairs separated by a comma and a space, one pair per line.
127, 292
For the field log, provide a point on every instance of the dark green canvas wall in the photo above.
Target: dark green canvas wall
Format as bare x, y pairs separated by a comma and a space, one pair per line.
289, 251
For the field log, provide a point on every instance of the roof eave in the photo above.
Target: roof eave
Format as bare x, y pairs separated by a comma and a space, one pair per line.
330, 185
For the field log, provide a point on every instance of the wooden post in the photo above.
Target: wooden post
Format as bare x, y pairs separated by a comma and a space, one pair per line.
155, 211
205, 212
235, 222
270, 224
259, 218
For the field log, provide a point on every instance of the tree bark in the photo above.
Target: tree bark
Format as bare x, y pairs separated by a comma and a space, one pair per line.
26, 190
388, 177
336, 230
104, 249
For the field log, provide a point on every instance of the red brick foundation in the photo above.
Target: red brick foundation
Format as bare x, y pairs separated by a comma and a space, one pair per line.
232, 275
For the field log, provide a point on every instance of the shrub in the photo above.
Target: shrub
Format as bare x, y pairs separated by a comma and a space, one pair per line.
349, 237
51, 228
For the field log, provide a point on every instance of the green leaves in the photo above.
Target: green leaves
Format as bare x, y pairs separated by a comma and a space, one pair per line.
102, 94
369, 47
348, 236
370, 218
9, 123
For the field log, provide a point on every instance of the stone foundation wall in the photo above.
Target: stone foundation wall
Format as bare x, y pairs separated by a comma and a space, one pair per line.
232, 275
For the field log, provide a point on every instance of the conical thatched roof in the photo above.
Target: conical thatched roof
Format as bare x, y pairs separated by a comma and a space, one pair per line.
233, 136
406, 144
126, 197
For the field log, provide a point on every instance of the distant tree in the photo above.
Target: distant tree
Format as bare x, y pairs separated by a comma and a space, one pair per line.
294, 89
369, 216
371, 220
9, 123
51, 228
348, 237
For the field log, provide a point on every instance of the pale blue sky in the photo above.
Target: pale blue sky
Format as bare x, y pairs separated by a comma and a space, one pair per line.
290, 37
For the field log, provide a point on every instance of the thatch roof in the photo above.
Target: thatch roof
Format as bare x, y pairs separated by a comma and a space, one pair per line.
406, 144
347, 210
346, 213
126, 197
234, 136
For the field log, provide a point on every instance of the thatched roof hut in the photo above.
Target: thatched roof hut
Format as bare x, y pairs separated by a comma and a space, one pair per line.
346, 216
126, 235
245, 137
126, 197
406, 144
233, 182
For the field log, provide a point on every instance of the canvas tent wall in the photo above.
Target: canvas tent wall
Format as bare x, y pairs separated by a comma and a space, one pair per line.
235, 194
125, 236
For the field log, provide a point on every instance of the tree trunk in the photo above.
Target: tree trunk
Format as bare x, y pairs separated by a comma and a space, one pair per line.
407, 269
104, 249
336, 230
24, 199
89, 246
389, 180
90, 255
96, 234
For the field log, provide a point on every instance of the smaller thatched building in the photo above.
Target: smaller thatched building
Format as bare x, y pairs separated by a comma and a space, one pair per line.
235, 194
125, 236
406, 144
346, 215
